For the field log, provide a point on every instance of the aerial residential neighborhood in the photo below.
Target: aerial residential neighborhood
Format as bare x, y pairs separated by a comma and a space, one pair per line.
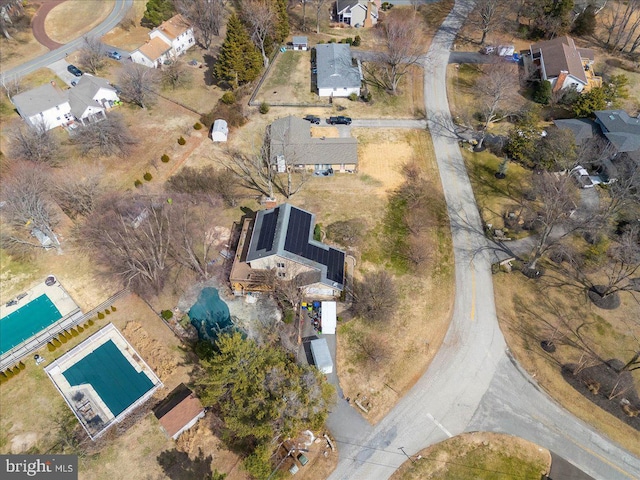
346, 240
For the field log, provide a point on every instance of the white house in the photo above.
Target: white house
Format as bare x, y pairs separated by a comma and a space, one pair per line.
219, 131
562, 64
169, 40
87, 102
45, 105
337, 75
300, 43
91, 97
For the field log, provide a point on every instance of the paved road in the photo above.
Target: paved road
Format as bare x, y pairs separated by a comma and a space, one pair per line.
117, 14
472, 384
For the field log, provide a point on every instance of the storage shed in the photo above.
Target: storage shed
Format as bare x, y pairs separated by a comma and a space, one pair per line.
300, 43
329, 318
321, 355
219, 131
179, 411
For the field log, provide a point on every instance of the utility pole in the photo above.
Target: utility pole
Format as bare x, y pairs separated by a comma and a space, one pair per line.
405, 454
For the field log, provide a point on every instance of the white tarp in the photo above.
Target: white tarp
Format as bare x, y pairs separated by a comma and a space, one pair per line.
329, 318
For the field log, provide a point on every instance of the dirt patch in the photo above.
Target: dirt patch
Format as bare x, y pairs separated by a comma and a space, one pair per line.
74, 18
471, 455
155, 354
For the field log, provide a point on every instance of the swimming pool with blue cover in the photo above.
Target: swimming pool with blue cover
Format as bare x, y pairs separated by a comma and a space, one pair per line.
111, 375
25, 322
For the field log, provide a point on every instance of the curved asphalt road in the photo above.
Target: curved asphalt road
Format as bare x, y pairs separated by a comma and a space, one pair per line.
472, 383
117, 14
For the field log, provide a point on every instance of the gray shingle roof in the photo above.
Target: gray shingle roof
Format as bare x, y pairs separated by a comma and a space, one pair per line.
335, 66
300, 40
38, 100
622, 130
582, 128
81, 96
291, 136
287, 231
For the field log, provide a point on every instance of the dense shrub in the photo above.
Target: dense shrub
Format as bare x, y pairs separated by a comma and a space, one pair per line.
232, 114
181, 141
100, 315
91, 322
166, 314
9, 373
542, 93
16, 370
56, 343
353, 97
228, 98
113, 308
356, 41
74, 332
164, 158
264, 108
22, 366
147, 176
107, 311
197, 126
80, 329
137, 183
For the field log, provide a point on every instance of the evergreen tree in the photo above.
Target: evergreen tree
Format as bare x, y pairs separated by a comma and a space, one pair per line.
157, 12
239, 60
589, 102
585, 23
282, 24
542, 93
523, 137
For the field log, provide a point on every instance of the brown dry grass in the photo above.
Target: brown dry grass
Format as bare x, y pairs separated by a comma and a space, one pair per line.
611, 334
411, 340
22, 47
74, 18
451, 459
131, 37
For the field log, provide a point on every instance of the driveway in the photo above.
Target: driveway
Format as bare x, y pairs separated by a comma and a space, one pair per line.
389, 123
60, 69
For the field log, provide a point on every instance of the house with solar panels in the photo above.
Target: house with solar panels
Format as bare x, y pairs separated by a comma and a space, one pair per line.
280, 241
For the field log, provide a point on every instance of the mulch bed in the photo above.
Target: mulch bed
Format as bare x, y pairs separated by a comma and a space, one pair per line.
607, 377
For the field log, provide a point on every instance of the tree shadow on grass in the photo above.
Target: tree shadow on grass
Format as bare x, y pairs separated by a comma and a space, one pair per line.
178, 465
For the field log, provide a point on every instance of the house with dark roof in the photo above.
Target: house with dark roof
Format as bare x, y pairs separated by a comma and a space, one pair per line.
357, 13
337, 74
280, 241
91, 98
583, 128
562, 64
292, 144
622, 130
179, 411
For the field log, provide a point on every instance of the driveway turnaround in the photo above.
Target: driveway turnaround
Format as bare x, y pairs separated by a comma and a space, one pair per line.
472, 383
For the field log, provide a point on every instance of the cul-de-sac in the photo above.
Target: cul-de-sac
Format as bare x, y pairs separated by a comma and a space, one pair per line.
320, 239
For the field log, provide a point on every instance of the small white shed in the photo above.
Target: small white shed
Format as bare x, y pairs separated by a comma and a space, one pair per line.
219, 131
329, 318
300, 43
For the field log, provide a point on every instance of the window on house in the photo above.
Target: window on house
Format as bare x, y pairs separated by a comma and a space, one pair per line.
282, 274
280, 265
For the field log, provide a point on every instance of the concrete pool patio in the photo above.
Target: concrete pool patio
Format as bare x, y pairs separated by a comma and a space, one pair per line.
102, 380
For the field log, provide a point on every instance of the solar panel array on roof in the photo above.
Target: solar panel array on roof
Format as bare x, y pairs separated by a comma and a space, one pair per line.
297, 242
268, 230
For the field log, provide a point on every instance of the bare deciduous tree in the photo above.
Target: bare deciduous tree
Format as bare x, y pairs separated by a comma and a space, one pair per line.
401, 34
35, 143
261, 18
77, 194
487, 16
621, 25
10, 11
176, 76
137, 83
12, 85
205, 16
375, 297
319, 5
107, 137
92, 54
208, 182
252, 171
28, 209
497, 89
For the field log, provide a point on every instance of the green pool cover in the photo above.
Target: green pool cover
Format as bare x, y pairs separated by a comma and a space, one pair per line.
111, 375
25, 322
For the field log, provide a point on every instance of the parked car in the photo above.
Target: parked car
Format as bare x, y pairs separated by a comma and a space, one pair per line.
303, 459
312, 119
73, 70
115, 55
339, 120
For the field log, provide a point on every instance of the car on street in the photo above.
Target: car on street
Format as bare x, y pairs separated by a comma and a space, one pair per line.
313, 119
115, 55
339, 120
73, 70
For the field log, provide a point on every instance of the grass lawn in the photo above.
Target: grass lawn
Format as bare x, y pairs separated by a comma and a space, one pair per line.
23, 46
74, 18
471, 456
126, 35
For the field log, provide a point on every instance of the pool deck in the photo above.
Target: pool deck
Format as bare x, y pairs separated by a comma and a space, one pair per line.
94, 404
71, 315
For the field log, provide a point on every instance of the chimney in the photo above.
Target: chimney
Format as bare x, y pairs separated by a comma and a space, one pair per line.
368, 23
560, 81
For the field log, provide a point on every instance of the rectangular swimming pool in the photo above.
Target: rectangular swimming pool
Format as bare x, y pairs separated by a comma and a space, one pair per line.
112, 376
25, 322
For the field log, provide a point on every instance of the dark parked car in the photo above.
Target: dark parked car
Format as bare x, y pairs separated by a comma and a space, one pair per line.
312, 119
114, 55
74, 70
339, 120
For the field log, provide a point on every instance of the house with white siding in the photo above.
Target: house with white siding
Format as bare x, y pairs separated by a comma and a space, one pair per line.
337, 73
166, 42
46, 105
